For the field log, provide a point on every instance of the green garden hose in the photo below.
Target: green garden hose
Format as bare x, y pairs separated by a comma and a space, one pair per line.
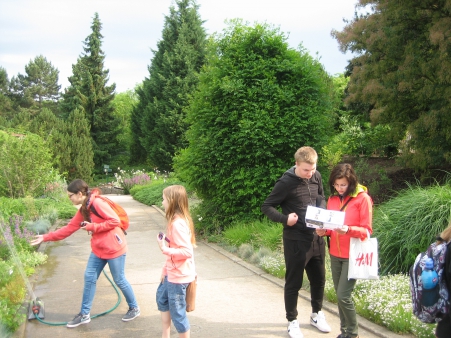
95, 316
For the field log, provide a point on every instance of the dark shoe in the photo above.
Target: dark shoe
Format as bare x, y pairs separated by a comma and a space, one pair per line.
344, 336
131, 314
78, 320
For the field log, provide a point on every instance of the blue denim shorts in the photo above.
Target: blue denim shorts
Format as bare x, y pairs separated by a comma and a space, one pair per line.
172, 297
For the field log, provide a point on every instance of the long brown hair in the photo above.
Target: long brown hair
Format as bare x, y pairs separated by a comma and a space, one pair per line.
178, 206
446, 234
77, 186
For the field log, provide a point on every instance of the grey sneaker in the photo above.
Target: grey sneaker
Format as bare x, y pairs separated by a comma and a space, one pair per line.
131, 314
78, 320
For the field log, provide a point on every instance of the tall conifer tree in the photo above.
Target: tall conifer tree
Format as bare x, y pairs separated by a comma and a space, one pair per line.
88, 91
172, 79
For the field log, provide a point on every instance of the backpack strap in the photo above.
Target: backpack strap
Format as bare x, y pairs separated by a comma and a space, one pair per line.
95, 212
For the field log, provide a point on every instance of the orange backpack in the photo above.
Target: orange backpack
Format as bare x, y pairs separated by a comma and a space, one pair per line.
123, 217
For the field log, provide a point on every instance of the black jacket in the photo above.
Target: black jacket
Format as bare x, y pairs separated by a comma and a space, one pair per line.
294, 194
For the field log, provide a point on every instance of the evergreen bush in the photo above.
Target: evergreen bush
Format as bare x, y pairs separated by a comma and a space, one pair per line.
257, 102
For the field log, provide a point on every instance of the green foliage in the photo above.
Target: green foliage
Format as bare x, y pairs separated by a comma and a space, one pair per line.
81, 161
257, 102
258, 233
6, 105
124, 104
25, 164
373, 177
402, 72
408, 223
151, 194
39, 84
159, 118
88, 92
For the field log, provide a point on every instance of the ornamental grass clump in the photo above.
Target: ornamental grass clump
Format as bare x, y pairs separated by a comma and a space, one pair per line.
408, 223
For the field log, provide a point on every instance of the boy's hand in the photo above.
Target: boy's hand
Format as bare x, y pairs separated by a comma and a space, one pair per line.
292, 219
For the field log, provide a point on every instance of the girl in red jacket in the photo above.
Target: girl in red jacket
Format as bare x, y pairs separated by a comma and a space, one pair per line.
178, 270
351, 197
108, 245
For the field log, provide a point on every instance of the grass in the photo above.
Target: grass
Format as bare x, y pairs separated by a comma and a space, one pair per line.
407, 224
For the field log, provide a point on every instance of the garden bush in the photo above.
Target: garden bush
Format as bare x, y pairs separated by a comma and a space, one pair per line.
25, 164
257, 102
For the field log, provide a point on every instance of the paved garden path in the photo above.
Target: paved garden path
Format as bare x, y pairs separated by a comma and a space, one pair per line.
234, 299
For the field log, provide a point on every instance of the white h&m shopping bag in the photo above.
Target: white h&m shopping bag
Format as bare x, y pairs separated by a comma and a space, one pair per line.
363, 258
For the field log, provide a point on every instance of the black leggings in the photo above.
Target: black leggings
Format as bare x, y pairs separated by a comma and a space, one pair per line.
443, 327
300, 255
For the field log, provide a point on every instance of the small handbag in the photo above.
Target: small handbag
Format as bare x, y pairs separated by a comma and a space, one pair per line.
363, 258
191, 295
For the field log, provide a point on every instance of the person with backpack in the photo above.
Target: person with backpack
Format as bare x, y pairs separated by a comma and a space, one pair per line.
349, 196
443, 328
108, 245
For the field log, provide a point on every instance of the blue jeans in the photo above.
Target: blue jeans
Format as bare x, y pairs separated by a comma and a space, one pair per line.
92, 273
172, 297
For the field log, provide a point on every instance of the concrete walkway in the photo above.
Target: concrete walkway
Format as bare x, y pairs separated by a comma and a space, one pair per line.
234, 299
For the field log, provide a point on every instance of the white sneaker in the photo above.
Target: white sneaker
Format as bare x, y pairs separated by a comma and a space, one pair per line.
319, 321
293, 329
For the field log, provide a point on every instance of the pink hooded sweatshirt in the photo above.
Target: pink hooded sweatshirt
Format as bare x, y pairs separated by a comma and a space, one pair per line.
179, 265
107, 240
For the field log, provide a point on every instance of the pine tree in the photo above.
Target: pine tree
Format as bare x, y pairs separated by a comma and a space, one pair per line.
172, 79
89, 92
38, 86
6, 106
80, 145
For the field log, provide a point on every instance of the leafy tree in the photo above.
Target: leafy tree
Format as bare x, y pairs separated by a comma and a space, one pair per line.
172, 79
402, 71
88, 92
257, 102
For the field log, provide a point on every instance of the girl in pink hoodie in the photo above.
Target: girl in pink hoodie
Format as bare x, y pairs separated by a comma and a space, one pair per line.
178, 270
108, 245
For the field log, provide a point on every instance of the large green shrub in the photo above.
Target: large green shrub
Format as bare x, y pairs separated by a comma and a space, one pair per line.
25, 165
258, 101
408, 223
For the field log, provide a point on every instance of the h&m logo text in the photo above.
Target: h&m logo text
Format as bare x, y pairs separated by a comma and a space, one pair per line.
364, 259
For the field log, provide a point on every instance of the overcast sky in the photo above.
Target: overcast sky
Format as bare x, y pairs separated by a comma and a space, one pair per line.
131, 28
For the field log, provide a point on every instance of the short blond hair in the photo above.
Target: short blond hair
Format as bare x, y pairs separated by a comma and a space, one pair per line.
306, 154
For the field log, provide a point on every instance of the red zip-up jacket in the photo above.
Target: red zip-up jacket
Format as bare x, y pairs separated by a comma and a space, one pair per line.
358, 216
107, 240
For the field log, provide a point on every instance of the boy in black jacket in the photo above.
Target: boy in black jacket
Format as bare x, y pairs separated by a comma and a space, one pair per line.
299, 187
